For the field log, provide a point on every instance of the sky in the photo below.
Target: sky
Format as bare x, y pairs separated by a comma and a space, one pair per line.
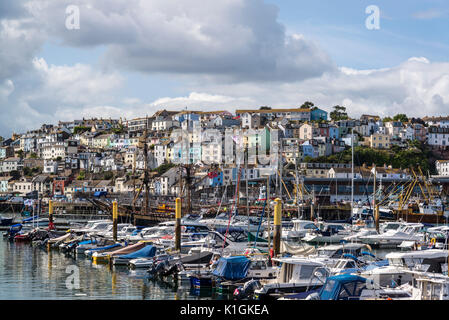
130, 58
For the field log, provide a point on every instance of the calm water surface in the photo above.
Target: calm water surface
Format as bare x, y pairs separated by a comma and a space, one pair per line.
29, 272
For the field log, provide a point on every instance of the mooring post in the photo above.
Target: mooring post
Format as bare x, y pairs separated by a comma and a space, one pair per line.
277, 227
50, 213
50, 220
114, 220
178, 225
376, 217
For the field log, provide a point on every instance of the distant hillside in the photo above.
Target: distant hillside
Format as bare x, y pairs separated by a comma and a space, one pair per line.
417, 154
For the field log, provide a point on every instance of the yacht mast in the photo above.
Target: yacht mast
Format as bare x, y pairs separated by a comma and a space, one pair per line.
352, 171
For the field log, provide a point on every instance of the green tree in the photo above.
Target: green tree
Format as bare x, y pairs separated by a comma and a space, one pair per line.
108, 175
81, 175
27, 171
119, 130
264, 108
33, 155
164, 168
339, 113
80, 129
307, 105
400, 117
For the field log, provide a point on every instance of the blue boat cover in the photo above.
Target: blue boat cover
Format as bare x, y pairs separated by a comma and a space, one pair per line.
232, 268
107, 247
146, 252
29, 219
377, 264
334, 285
87, 242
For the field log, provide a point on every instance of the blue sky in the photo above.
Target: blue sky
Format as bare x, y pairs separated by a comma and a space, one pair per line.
337, 26
401, 34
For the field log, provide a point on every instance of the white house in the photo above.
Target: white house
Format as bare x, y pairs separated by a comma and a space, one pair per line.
438, 136
442, 167
53, 150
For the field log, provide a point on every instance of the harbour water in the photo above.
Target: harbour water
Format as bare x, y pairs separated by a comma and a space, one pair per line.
28, 273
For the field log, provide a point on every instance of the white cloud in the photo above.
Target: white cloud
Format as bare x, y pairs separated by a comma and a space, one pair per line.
51, 93
228, 54
238, 40
430, 14
417, 87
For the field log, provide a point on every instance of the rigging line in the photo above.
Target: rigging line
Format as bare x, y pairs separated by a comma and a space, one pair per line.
222, 199
260, 221
234, 206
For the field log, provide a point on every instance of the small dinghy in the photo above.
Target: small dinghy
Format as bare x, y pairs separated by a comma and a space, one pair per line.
146, 252
109, 248
104, 257
5, 221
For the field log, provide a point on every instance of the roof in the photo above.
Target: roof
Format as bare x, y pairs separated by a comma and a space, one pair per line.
430, 253
41, 178
441, 118
273, 110
102, 183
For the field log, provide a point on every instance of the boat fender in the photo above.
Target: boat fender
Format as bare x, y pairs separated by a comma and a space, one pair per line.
433, 241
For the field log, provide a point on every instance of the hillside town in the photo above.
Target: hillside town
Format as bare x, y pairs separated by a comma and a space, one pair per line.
107, 155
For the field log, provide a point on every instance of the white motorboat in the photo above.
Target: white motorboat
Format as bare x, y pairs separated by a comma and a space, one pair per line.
428, 286
401, 263
328, 233
393, 238
300, 228
297, 275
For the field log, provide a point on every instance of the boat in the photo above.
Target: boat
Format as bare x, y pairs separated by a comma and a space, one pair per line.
393, 238
355, 287
104, 257
147, 263
112, 247
327, 233
93, 227
400, 264
36, 222
233, 272
300, 228
426, 286
296, 275
4, 222
55, 242
147, 252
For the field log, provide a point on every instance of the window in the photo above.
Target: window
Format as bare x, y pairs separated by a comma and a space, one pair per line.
306, 272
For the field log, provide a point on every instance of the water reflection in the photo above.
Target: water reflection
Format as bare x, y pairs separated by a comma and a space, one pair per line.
29, 272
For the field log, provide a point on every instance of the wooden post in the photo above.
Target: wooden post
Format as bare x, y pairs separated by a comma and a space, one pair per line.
50, 211
376, 216
114, 220
312, 206
277, 227
178, 225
